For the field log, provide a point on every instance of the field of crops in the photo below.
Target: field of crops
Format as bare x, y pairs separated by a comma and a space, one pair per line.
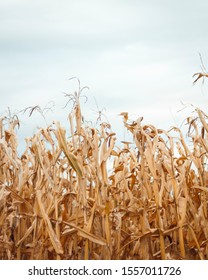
86, 196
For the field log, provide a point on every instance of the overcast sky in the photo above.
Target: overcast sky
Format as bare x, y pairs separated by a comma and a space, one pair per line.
136, 56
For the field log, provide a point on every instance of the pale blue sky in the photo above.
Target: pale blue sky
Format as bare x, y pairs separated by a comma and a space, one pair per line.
136, 56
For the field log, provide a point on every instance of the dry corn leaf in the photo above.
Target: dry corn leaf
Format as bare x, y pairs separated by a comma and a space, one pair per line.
63, 146
54, 240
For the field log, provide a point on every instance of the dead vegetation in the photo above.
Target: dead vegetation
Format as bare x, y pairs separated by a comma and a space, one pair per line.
81, 197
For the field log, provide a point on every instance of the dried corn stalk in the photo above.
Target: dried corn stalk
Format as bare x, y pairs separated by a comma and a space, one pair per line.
60, 200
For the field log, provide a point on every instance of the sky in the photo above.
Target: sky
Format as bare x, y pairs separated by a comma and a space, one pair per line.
135, 56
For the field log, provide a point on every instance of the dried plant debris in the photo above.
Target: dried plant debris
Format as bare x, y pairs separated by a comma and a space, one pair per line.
203, 74
85, 198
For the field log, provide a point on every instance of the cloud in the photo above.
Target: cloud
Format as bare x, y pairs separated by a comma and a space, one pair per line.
49, 25
97, 25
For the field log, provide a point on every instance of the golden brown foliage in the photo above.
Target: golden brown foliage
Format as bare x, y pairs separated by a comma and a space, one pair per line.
83, 198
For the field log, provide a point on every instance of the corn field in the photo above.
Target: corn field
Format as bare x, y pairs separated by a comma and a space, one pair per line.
83, 196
